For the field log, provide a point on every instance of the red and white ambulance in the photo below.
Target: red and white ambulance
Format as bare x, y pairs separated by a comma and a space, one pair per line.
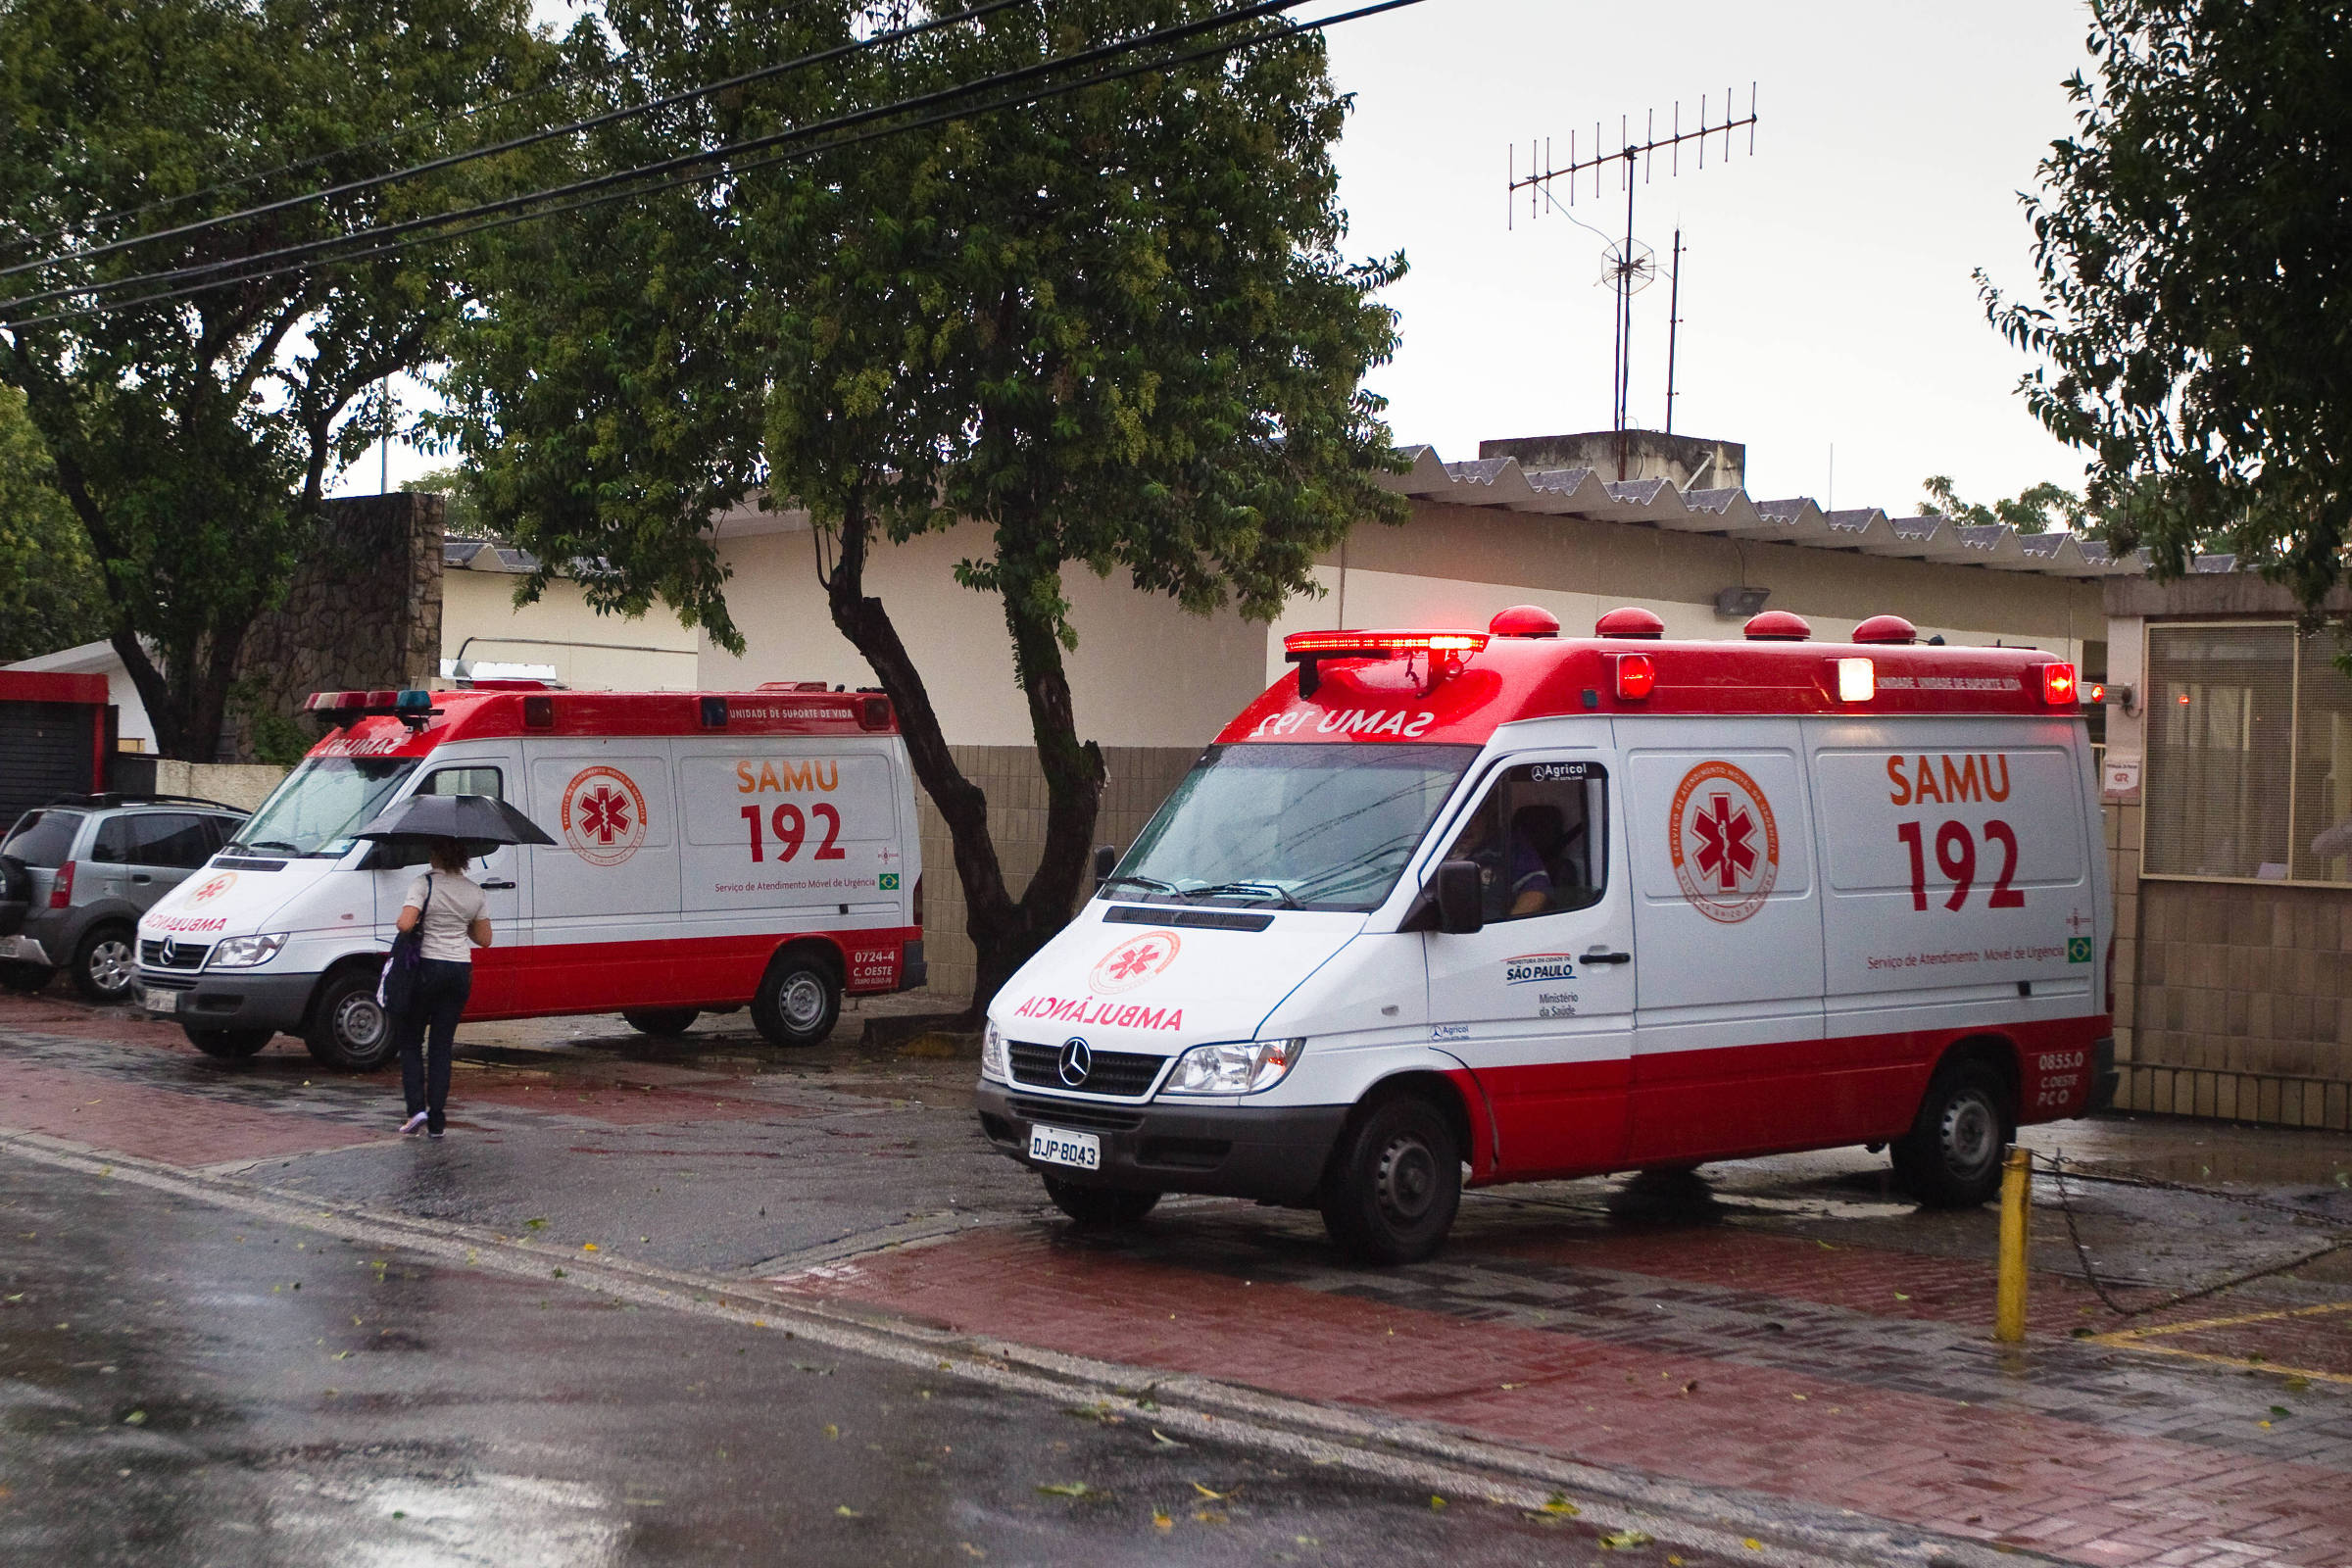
1487, 907
714, 849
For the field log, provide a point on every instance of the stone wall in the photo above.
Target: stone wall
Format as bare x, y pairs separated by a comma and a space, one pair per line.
363, 610
1141, 777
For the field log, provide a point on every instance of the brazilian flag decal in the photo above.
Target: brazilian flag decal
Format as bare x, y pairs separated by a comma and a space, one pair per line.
890, 881
2078, 950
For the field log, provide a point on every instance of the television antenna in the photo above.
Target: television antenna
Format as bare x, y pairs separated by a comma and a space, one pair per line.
1628, 266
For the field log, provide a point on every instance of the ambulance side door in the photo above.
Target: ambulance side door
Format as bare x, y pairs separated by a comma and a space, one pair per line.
497, 968
1538, 1003
1727, 1049
605, 897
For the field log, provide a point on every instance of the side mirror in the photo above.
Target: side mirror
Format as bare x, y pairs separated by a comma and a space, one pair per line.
1107, 860
1461, 898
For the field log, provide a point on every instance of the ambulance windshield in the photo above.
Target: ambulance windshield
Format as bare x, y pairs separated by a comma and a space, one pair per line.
315, 810
1305, 826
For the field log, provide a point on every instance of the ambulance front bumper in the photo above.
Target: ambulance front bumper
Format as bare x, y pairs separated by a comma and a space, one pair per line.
229, 998
1273, 1154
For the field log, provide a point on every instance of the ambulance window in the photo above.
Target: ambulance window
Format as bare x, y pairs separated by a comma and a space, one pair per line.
1540, 840
464, 781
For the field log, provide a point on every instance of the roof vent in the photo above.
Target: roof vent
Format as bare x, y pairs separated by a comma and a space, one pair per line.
1628, 623
1525, 620
1778, 626
1885, 630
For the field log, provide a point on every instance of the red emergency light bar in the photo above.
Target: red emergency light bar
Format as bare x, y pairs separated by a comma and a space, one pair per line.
2058, 686
1306, 649
341, 708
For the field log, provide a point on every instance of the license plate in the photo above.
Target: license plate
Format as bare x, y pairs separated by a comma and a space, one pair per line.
1058, 1148
163, 1002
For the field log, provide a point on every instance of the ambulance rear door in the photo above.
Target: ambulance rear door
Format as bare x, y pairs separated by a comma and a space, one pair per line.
1727, 1049
1538, 1002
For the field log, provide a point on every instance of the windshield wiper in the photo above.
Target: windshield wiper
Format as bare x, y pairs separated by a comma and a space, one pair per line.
1152, 882
1272, 889
270, 844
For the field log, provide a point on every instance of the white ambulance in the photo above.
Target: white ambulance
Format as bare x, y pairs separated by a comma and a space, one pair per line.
1450, 907
714, 850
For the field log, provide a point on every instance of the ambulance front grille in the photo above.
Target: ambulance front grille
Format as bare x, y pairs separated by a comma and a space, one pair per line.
183, 954
1110, 1072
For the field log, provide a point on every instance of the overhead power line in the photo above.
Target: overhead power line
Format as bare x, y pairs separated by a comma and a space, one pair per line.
691, 169
513, 144
116, 214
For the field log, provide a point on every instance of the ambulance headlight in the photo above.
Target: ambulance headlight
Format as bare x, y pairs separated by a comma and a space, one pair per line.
243, 952
1240, 1067
992, 1053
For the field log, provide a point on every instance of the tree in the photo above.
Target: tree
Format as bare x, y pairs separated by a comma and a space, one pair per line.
192, 438
50, 595
1114, 328
2195, 282
2031, 510
462, 516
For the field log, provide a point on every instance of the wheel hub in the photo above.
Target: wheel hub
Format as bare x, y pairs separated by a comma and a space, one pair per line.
804, 1001
1407, 1184
1971, 1134
110, 964
361, 1021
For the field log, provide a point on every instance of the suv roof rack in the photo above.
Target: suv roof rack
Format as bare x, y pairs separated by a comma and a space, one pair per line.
112, 798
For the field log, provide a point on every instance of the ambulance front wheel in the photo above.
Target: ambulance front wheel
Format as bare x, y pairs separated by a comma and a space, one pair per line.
349, 1028
1394, 1183
798, 1000
663, 1023
1952, 1157
1104, 1206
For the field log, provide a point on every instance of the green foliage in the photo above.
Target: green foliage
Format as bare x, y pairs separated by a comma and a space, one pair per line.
2193, 307
50, 595
2032, 509
192, 439
1115, 329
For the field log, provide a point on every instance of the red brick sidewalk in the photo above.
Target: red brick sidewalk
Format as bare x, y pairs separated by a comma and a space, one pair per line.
1994, 1469
103, 1112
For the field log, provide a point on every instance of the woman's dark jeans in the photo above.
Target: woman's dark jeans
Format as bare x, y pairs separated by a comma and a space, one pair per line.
441, 991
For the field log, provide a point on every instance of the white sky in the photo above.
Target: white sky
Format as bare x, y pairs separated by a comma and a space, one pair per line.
1826, 293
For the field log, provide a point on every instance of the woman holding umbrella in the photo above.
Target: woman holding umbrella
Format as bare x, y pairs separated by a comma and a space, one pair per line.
444, 907
443, 914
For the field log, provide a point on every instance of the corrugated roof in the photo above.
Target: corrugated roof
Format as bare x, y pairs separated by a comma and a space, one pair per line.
1501, 482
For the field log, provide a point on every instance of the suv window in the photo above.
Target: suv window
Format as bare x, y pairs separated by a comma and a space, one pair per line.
170, 839
1540, 839
43, 838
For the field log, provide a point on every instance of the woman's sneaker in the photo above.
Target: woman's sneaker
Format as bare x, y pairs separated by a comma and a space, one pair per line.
413, 1122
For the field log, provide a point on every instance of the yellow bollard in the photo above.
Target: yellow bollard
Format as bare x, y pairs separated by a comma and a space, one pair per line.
2016, 1202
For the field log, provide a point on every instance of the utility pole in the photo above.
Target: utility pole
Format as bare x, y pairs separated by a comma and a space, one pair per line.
1628, 266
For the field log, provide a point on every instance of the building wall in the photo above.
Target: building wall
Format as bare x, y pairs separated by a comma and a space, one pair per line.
363, 610
481, 623
1152, 684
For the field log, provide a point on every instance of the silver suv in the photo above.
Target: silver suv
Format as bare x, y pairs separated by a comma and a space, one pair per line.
76, 874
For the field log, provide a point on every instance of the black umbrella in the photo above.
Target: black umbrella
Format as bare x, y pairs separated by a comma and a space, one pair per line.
472, 819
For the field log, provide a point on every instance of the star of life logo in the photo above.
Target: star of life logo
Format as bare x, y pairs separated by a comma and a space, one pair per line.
603, 816
213, 887
1134, 961
1726, 847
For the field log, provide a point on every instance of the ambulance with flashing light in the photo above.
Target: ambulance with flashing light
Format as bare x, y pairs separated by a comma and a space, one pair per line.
1446, 909
714, 850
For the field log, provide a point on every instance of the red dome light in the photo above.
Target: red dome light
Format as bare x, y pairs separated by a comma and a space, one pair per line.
1884, 629
1525, 620
1628, 623
1778, 626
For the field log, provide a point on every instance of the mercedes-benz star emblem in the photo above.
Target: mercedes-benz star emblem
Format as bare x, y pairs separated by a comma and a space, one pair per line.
1077, 1060
170, 953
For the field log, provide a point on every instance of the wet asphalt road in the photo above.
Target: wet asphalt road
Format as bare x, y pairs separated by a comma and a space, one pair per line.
179, 1383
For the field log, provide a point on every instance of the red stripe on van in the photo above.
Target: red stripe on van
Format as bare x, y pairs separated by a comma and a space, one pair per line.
548, 981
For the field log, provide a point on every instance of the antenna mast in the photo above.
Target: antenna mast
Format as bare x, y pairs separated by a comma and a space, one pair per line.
1629, 265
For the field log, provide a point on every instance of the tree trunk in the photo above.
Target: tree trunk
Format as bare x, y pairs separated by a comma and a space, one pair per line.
1004, 931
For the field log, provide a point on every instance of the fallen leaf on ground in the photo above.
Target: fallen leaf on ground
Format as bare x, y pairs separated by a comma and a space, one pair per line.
1436, 1502
1071, 1489
1617, 1540
138, 1418
1160, 1437
1213, 1497
847, 1512
1160, 1520
1207, 1516
1558, 1503
832, 1430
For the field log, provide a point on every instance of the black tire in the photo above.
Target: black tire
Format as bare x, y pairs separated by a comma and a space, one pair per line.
106, 964
16, 882
663, 1023
229, 1044
798, 1000
1393, 1184
1106, 1207
349, 1029
1952, 1157
24, 978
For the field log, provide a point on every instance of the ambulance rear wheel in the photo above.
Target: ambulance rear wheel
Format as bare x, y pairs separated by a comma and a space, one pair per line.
798, 1000
349, 1028
1104, 1206
1952, 1157
663, 1023
1393, 1184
